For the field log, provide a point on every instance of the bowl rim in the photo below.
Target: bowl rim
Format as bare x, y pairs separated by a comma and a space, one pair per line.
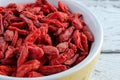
77, 67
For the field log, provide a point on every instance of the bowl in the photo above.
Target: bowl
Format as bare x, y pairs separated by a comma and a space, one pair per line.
82, 70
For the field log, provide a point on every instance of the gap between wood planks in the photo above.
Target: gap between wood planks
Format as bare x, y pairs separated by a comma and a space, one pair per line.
110, 51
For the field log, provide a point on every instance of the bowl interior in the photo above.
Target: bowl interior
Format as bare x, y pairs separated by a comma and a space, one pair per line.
92, 23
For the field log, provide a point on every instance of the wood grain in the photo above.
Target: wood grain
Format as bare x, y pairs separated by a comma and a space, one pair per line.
107, 68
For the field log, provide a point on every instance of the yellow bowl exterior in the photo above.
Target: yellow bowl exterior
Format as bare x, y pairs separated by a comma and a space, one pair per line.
83, 73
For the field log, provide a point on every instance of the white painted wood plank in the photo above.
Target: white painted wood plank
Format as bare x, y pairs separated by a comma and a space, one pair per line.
108, 13
107, 68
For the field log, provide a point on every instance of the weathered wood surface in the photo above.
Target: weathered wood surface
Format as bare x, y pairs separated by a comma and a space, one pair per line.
108, 13
107, 68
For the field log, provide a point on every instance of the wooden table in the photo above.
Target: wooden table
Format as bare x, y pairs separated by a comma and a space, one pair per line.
108, 12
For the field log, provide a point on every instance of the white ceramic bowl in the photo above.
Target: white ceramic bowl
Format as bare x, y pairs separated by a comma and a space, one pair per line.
83, 69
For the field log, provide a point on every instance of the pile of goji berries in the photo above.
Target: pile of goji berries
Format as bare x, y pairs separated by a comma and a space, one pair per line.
38, 39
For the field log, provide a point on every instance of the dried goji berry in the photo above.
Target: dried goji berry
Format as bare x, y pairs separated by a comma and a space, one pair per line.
3, 44
39, 2
23, 56
1, 55
51, 7
87, 32
62, 46
15, 37
59, 31
84, 53
7, 70
44, 30
33, 36
65, 24
52, 28
84, 42
22, 32
45, 9
77, 39
77, 24
9, 16
58, 15
67, 54
48, 39
66, 34
34, 10
55, 22
62, 7
34, 74
19, 42
9, 53
71, 17
80, 58
50, 50
59, 60
29, 15
8, 35
1, 25
11, 5
20, 7
72, 60
73, 47
52, 69
37, 23
27, 67
35, 52
29, 22
19, 24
